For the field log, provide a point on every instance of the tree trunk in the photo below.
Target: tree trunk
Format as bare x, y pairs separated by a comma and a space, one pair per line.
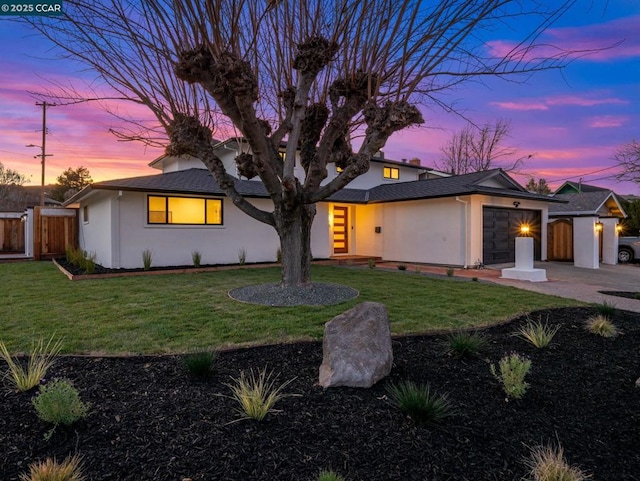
294, 230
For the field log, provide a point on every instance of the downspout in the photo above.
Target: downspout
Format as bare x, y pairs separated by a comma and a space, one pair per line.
464, 229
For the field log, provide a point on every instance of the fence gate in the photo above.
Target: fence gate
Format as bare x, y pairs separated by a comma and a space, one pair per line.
53, 230
11, 235
560, 240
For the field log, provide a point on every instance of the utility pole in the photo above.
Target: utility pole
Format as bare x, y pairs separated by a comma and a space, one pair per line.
43, 155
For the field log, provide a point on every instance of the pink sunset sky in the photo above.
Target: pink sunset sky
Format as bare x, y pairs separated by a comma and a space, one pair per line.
571, 122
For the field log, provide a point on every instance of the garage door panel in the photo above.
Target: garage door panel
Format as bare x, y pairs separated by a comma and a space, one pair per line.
501, 226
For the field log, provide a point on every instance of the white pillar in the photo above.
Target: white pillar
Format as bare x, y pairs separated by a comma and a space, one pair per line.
609, 241
586, 252
524, 270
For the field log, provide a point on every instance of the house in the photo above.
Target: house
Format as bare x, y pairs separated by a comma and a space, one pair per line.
584, 228
398, 210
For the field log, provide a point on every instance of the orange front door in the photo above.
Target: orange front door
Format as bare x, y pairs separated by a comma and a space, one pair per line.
340, 230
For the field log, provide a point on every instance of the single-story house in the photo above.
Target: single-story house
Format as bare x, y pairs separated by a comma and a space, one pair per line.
584, 227
398, 210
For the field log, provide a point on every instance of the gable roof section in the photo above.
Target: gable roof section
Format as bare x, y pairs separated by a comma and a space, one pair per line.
201, 182
577, 187
601, 202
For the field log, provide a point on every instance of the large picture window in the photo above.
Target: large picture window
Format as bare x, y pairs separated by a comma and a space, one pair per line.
162, 209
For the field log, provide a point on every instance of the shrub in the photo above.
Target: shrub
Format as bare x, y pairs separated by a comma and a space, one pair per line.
41, 358
196, 257
200, 363
146, 259
58, 402
537, 333
402, 267
257, 393
279, 256
242, 256
513, 369
450, 271
474, 279
602, 326
51, 470
606, 309
88, 262
328, 475
549, 464
371, 263
419, 403
465, 343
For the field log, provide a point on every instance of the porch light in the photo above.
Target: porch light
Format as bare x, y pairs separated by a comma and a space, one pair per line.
524, 230
599, 227
618, 228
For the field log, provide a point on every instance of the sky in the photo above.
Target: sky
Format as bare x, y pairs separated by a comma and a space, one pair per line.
570, 121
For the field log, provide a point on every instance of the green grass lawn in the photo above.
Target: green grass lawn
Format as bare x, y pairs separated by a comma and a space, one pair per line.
181, 312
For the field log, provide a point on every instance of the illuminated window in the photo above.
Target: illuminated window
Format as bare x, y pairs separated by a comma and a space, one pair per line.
339, 169
391, 173
184, 210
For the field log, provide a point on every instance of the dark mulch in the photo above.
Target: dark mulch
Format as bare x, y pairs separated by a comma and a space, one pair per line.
150, 421
628, 295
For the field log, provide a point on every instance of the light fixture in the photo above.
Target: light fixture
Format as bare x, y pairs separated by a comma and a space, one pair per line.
516, 203
599, 226
618, 228
525, 230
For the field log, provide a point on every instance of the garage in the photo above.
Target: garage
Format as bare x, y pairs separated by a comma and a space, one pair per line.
501, 226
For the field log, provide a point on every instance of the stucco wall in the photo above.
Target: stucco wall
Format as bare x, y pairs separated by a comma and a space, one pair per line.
94, 235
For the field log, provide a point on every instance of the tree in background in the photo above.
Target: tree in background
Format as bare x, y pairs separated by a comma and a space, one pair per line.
313, 74
476, 149
70, 182
10, 183
631, 225
628, 158
540, 187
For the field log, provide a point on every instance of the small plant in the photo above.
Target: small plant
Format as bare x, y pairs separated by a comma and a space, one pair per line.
242, 256
602, 326
637, 295
418, 270
474, 279
257, 393
196, 257
513, 369
200, 363
147, 256
371, 263
51, 470
549, 464
402, 267
419, 403
41, 358
606, 309
465, 343
328, 475
537, 333
279, 256
88, 262
450, 271
58, 402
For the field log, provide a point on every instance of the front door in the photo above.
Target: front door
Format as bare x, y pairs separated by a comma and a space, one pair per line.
340, 230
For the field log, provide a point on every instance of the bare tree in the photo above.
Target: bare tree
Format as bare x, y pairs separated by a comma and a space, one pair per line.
628, 158
10, 182
475, 149
309, 72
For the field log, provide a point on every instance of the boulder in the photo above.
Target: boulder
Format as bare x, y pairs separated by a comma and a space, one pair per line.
356, 348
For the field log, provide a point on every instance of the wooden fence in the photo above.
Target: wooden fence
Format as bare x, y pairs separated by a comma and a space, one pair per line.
11, 235
53, 230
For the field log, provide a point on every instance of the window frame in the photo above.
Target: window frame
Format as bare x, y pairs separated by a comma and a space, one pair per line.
205, 201
391, 169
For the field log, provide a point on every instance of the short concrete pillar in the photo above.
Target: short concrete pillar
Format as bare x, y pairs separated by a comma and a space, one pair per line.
524, 269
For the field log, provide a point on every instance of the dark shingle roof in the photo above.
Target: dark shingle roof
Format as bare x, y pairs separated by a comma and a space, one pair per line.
200, 181
583, 203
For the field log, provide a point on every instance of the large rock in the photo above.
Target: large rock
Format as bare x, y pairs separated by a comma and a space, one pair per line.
357, 347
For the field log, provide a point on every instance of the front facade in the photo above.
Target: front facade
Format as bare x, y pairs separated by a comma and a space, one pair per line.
398, 211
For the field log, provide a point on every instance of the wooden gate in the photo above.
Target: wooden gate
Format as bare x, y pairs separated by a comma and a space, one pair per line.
53, 230
11, 235
560, 240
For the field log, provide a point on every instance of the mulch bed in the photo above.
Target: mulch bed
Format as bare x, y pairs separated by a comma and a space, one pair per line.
150, 421
628, 295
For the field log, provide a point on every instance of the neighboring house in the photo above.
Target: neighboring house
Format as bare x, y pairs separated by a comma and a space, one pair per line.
584, 229
398, 211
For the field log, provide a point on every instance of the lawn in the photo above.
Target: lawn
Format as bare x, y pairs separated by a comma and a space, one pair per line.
180, 312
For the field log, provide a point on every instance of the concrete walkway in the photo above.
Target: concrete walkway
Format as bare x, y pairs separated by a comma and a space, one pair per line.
565, 280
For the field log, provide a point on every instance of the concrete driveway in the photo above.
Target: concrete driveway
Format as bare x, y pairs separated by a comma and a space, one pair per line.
565, 280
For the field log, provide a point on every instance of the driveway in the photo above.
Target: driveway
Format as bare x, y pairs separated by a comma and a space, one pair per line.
565, 280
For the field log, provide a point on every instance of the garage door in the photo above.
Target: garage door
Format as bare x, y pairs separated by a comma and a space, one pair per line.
500, 227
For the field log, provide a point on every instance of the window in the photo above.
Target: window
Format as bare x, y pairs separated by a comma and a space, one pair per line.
391, 173
339, 169
85, 213
184, 210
